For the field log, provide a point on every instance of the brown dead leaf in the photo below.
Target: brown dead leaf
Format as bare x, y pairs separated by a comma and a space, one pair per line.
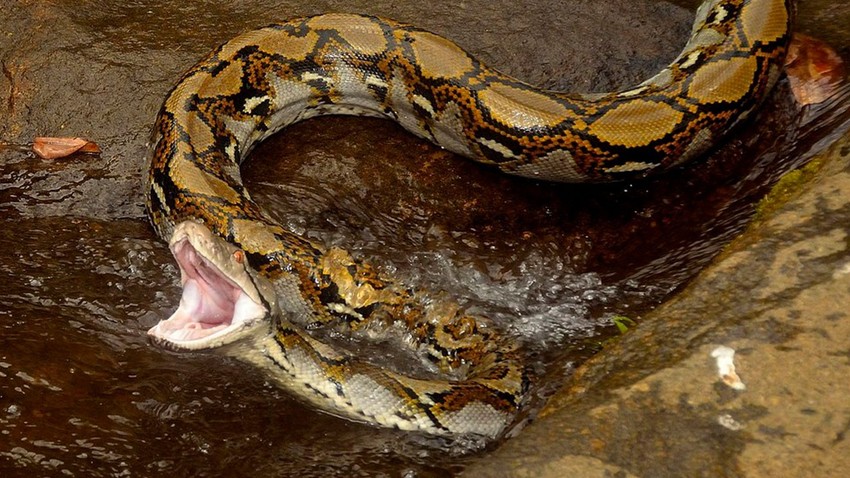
814, 69
47, 147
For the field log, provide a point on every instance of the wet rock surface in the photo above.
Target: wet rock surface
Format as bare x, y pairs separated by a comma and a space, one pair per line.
84, 393
652, 404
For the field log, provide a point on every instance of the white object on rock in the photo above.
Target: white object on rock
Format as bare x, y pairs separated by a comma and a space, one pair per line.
726, 367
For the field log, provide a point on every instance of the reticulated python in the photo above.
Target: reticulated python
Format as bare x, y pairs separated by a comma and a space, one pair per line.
239, 268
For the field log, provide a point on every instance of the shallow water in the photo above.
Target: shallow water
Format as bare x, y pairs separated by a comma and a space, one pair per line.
83, 390
83, 393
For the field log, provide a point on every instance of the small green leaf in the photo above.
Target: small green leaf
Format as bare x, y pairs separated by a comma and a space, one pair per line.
623, 323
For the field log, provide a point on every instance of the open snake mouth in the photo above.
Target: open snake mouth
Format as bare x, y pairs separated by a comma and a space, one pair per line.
219, 298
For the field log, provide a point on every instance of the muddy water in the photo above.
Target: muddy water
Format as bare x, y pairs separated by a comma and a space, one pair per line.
83, 393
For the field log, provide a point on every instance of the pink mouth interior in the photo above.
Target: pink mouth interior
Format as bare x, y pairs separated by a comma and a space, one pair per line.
208, 304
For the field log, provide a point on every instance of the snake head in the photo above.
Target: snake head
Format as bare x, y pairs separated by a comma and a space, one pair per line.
223, 298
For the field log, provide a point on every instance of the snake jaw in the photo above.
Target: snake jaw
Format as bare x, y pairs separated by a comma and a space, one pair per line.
221, 301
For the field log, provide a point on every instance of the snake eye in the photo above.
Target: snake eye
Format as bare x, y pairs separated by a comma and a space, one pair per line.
239, 256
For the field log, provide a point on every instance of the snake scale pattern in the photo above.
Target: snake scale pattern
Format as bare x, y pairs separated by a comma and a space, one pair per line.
247, 280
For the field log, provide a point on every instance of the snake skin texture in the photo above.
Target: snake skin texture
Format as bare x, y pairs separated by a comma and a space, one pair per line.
242, 272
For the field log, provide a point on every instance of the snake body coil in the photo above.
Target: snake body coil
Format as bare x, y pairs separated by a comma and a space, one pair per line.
240, 267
